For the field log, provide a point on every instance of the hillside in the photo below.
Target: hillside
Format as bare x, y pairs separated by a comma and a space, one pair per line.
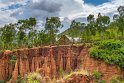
68, 64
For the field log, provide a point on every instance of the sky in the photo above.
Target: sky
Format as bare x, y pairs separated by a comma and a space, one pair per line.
67, 10
96, 2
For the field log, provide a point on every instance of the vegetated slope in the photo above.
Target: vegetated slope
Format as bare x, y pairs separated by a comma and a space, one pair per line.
102, 70
110, 51
52, 62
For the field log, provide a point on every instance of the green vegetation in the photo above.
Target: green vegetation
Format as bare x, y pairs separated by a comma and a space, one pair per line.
13, 60
97, 29
24, 33
34, 78
117, 79
2, 81
97, 75
20, 80
111, 51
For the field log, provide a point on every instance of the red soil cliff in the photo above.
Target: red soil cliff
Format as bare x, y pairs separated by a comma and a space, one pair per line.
50, 60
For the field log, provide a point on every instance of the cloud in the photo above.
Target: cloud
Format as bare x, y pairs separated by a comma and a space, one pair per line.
39, 9
65, 9
5, 18
46, 5
5, 10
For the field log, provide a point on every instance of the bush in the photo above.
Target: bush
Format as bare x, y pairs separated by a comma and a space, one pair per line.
2, 81
111, 51
117, 79
34, 78
20, 80
13, 59
101, 81
97, 74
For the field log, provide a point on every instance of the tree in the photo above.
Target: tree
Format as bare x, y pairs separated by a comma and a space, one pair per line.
7, 35
91, 25
75, 29
25, 26
52, 27
90, 18
120, 24
121, 11
43, 38
119, 19
102, 24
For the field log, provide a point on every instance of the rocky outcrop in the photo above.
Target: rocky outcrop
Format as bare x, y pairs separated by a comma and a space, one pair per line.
79, 79
50, 61
107, 70
6, 67
47, 60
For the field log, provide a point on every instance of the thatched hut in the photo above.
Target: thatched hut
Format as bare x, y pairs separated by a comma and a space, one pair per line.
64, 40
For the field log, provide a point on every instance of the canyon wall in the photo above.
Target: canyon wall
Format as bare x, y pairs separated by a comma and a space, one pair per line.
108, 71
52, 61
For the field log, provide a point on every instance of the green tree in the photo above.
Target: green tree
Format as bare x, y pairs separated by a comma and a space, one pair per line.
25, 26
119, 20
102, 24
121, 11
75, 29
52, 27
91, 25
43, 38
8, 33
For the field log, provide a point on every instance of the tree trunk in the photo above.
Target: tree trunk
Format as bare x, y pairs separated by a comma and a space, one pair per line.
102, 35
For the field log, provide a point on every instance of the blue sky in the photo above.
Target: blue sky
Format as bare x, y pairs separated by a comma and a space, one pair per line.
96, 2
67, 10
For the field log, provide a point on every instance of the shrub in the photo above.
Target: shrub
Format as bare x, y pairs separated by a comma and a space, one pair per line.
20, 80
13, 59
101, 81
2, 81
97, 74
34, 78
117, 79
111, 51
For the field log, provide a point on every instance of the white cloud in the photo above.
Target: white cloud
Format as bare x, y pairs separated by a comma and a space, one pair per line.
5, 18
5, 13
105, 9
71, 9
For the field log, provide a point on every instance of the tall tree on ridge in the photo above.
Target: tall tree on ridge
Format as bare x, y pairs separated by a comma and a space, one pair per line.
52, 27
102, 24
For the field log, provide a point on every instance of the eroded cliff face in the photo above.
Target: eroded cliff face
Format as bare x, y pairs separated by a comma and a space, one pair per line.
50, 61
108, 71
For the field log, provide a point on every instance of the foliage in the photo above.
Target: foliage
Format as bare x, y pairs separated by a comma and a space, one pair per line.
2, 81
9, 77
20, 80
34, 78
52, 26
24, 33
111, 51
117, 79
13, 60
97, 74
101, 81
